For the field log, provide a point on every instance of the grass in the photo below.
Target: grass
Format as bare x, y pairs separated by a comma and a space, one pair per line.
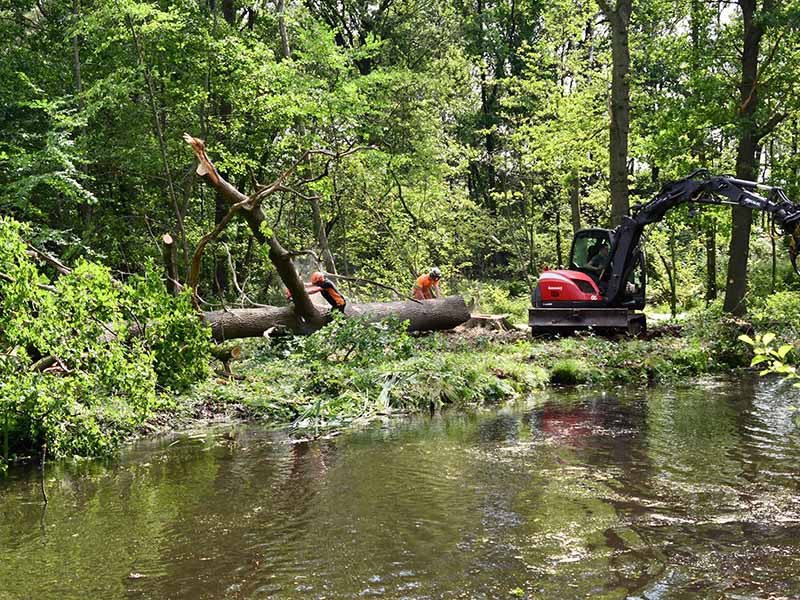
283, 385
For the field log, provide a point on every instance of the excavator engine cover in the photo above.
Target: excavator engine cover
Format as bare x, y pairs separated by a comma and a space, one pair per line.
564, 286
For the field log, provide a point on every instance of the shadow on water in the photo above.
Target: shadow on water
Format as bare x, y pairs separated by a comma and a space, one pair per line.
656, 493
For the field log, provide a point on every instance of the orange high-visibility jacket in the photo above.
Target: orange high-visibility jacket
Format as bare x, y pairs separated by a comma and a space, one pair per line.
423, 290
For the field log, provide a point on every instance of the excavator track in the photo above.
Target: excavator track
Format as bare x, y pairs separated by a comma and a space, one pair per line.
604, 321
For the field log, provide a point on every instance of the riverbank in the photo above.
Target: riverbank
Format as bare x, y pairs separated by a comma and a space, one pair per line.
340, 377
352, 372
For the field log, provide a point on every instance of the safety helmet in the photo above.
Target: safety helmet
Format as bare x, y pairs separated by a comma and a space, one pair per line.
435, 273
317, 277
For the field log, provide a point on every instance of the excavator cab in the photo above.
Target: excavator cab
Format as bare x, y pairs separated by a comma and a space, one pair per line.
591, 253
586, 255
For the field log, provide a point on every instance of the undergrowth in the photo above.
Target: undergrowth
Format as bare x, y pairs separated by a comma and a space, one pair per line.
354, 370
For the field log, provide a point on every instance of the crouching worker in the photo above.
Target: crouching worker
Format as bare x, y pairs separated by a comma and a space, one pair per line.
427, 286
322, 285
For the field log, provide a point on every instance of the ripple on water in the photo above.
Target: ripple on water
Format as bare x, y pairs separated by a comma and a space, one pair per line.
643, 494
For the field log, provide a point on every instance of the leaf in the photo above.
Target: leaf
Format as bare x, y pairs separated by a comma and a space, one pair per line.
784, 350
758, 359
747, 340
768, 338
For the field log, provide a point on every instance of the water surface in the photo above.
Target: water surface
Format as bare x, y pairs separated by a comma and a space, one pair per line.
681, 493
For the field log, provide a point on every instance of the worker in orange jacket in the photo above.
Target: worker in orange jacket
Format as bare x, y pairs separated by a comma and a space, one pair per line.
427, 286
322, 285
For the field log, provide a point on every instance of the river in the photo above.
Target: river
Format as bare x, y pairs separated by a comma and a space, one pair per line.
688, 492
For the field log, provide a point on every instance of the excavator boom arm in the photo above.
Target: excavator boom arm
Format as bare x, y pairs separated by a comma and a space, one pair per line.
700, 188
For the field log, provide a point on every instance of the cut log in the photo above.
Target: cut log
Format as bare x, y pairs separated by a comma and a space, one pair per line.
425, 315
225, 354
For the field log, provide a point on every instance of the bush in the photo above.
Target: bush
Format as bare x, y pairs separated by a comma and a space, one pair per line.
356, 341
103, 344
717, 333
173, 332
779, 313
496, 298
568, 372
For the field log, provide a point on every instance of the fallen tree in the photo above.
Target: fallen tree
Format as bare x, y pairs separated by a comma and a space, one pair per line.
302, 317
426, 315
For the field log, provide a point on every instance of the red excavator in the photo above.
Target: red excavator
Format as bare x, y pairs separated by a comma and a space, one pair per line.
604, 286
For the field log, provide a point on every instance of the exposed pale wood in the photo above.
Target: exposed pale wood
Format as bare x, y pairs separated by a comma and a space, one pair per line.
490, 322
226, 354
170, 255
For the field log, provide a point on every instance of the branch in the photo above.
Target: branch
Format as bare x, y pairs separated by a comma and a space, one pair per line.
403, 200
201, 245
159, 131
206, 168
368, 281
242, 294
769, 126
255, 216
41, 286
605, 8
43, 363
49, 259
290, 190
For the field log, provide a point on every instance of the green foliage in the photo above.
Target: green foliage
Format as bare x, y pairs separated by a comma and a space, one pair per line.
717, 333
511, 298
357, 341
488, 129
283, 384
172, 330
79, 360
568, 372
779, 312
780, 360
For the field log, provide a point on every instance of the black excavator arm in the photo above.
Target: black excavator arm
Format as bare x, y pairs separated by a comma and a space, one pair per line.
700, 188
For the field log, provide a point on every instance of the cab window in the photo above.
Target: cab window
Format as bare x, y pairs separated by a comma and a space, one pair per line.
585, 247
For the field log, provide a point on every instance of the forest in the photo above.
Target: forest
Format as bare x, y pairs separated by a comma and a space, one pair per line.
164, 164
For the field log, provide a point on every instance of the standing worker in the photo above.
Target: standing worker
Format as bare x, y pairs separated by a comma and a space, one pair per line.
427, 286
322, 285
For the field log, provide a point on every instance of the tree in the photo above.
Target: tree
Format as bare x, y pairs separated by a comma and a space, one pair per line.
619, 15
755, 119
303, 317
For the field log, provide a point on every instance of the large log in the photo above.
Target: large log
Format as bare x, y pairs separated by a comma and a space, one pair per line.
423, 315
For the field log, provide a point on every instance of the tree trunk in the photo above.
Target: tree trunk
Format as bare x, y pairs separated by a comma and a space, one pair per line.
619, 17
220, 264
305, 314
322, 236
224, 110
575, 202
84, 208
170, 255
159, 133
746, 166
711, 260
281, 9
425, 315
559, 253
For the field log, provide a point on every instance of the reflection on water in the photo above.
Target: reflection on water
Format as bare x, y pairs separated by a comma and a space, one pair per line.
680, 493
